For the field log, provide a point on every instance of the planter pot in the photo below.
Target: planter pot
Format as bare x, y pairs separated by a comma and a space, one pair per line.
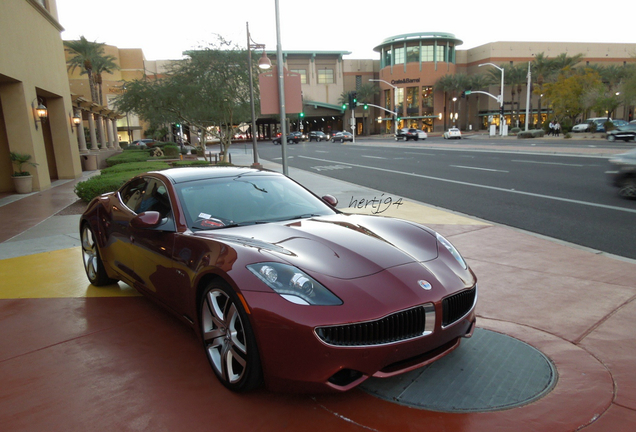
23, 184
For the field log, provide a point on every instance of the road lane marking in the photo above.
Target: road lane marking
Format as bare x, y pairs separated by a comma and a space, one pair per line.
547, 163
628, 210
480, 169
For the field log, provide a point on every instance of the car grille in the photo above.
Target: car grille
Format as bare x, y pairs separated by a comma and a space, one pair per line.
457, 305
403, 325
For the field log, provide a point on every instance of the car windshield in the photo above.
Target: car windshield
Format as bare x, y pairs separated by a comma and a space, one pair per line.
246, 199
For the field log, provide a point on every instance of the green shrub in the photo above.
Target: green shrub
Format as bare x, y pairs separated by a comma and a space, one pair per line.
534, 133
171, 150
113, 177
136, 167
183, 151
186, 163
515, 130
136, 155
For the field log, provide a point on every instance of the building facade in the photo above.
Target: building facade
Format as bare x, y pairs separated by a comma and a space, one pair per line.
33, 73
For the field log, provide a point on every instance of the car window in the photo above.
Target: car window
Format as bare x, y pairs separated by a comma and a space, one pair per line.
155, 199
132, 193
215, 203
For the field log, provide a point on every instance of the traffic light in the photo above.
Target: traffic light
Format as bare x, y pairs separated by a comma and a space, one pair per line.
366, 107
301, 115
463, 94
344, 106
354, 100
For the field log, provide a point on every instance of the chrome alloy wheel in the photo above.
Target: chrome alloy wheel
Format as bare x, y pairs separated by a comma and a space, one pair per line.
89, 254
224, 336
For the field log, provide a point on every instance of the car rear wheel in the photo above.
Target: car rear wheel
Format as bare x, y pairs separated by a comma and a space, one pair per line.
228, 338
92, 260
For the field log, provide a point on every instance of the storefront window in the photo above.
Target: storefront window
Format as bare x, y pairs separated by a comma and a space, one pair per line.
399, 99
412, 101
427, 101
413, 54
387, 100
325, 76
399, 55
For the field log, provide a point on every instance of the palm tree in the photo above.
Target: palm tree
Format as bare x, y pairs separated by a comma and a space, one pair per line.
516, 77
101, 64
366, 94
478, 82
445, 84
83, 54
542, 68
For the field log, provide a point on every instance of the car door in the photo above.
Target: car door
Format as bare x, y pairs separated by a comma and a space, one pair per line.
153, 248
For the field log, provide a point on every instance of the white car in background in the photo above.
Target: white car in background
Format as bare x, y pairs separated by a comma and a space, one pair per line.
453, 133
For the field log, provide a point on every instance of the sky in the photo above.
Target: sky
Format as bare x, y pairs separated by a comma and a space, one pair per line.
164, 29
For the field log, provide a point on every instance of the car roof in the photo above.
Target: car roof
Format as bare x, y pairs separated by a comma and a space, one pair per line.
186, 174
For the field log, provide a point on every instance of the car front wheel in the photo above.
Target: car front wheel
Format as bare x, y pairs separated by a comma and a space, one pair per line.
92, 260
611, 138
628, 188
228, 338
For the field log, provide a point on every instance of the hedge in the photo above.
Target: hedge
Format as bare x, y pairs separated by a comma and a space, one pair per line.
111, 178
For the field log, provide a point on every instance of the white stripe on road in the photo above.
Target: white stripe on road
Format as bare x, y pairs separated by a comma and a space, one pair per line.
477, 185
480, 169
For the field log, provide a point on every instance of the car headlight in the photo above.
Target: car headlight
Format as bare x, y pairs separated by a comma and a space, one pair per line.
293, 284
452, 250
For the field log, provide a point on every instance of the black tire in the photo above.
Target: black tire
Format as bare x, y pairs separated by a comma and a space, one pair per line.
92, 259
611, 138
228, 338
627, 188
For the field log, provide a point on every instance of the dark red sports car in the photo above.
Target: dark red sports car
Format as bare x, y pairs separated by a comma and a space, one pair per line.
282, 287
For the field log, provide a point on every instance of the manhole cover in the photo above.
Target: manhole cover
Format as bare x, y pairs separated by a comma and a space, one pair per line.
488, 372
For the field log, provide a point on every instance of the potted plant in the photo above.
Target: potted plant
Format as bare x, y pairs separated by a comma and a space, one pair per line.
22, 180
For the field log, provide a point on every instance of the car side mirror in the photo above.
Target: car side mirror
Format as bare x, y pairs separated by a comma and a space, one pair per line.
146, 220
331, 200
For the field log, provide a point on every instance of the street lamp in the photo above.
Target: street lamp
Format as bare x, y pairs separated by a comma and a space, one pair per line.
501, 97
394, 101
263, 63
454, 115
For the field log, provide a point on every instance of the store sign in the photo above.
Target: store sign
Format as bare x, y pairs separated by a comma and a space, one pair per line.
405, 81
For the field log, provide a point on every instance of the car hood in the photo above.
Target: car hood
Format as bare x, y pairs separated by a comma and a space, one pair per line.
341, 246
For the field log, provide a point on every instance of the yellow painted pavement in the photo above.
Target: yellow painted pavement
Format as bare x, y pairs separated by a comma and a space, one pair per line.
56, 274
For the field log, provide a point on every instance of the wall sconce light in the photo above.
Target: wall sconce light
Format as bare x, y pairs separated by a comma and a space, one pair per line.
75, 120
40, 112
440, 116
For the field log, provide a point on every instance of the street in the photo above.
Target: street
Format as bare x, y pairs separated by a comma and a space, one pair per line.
561, 195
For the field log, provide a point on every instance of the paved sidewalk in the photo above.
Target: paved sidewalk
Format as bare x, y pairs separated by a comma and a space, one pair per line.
74, 357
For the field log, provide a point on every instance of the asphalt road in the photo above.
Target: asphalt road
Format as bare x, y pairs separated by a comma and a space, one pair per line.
563, 196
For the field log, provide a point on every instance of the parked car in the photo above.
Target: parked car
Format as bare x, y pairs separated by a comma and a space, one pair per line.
411, 133
278, 284
625, 133
145, 142
585, 126
292, 137
318, 136
453, 133
342, 136
623, 173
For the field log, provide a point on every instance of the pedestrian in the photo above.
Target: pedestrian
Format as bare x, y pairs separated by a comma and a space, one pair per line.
551, 131
557, 128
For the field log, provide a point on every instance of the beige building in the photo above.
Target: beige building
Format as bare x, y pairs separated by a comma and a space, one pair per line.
33, 73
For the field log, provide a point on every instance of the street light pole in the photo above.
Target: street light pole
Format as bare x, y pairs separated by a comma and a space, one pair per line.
454, 112
501, 100
263, 63
394, 101
281, 92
